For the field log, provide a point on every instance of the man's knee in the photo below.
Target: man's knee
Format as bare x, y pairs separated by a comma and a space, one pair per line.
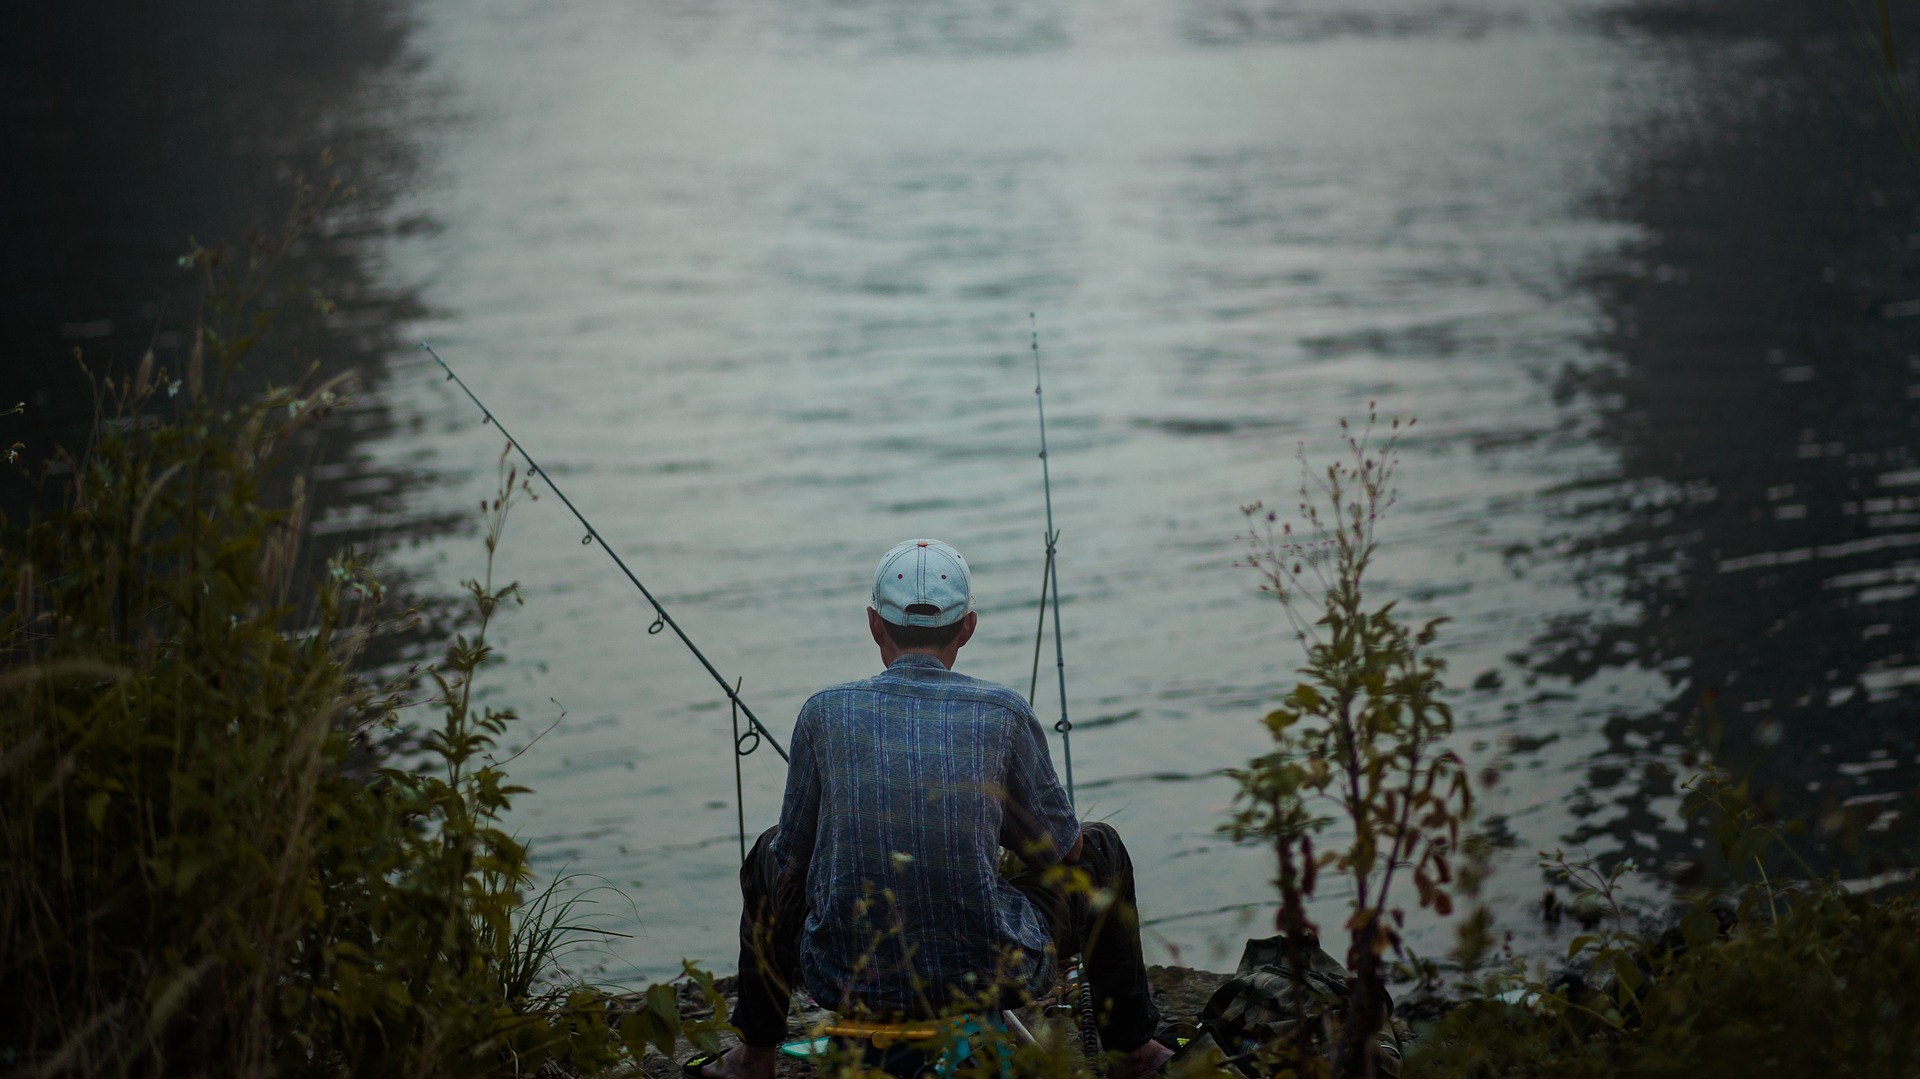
759, 873
762, 846
1103, 853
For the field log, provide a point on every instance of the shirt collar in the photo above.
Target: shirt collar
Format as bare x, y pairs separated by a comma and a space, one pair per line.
916, 659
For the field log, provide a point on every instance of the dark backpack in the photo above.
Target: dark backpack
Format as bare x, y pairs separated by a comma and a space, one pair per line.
1255, 1007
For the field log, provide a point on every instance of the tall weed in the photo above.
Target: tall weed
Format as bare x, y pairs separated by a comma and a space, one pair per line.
199, 871
1362, 734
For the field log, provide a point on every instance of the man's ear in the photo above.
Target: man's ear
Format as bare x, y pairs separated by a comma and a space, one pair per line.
877, 627
967, 626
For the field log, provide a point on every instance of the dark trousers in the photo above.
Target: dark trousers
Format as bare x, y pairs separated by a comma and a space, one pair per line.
1106, 936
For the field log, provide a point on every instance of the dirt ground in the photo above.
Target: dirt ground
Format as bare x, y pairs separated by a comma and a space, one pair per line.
1179, 992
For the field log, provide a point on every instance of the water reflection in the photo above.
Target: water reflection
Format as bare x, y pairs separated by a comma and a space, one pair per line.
987, 230
1227, 22
862, 28
941, 27
1766, 415
132, 128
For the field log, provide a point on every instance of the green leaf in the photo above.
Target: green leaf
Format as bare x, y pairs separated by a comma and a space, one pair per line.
664, 1006
704, 1038
1627, 973
1700, 928
636, 1031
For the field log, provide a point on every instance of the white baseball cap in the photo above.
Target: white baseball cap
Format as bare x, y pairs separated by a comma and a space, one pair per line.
922, 573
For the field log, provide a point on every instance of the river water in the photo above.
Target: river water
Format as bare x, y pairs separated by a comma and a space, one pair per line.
752, 279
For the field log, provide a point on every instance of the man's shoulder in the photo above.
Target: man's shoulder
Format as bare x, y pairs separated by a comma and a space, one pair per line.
843, 689
947, 684
955, 685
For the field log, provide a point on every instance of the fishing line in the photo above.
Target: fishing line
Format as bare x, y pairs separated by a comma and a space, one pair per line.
756, 730
1064, 726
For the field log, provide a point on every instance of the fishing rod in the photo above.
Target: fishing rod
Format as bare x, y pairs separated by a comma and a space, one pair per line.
1064, 726
756, 730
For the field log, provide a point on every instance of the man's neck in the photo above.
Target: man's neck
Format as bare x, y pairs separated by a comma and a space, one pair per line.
890, 652
945, 654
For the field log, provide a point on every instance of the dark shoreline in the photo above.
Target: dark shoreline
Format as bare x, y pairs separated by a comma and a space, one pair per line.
137, 129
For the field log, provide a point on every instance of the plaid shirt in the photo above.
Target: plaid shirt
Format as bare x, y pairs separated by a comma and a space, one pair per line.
902, 788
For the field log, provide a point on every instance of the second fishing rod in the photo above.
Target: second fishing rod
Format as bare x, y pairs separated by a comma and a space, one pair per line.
1050, 576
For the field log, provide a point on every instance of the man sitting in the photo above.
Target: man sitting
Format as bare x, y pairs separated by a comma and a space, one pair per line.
881, 889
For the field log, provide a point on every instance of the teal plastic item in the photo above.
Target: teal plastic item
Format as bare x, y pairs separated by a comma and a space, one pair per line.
807, 1047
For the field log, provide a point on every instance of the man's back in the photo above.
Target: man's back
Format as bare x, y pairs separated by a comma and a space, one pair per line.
880, 888
902, 790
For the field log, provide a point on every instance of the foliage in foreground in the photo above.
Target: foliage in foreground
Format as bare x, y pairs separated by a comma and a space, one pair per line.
1759, 976
201, 870
1826, 988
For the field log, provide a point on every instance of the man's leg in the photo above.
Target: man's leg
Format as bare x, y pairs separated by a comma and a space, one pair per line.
1106, 934
1110, 952
771, 914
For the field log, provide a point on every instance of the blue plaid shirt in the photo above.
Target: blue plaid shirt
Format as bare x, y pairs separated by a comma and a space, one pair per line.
902, 789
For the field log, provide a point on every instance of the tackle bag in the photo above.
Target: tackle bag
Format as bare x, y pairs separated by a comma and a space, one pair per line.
1255, 1008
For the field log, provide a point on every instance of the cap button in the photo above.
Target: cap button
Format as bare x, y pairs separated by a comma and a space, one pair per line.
923, 543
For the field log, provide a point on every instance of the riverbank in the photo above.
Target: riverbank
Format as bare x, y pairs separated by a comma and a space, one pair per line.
1783, 978
1179, 993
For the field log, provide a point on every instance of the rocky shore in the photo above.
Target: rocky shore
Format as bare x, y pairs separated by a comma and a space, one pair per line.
1179, 991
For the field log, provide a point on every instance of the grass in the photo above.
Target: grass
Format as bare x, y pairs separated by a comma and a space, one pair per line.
198, 874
